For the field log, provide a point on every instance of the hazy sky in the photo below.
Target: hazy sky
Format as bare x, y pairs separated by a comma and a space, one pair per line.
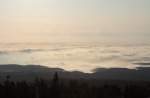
74, 20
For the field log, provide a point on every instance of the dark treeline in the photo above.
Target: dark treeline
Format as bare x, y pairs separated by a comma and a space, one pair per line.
57, 88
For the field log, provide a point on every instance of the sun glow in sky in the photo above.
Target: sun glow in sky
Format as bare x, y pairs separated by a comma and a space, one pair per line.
74, 20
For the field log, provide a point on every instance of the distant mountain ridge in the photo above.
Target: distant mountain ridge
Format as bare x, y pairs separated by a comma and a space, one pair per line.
30, 72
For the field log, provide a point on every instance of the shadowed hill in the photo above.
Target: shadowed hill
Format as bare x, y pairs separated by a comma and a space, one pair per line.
30, 72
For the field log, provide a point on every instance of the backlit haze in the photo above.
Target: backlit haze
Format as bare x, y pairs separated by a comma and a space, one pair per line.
55, 20
75, 34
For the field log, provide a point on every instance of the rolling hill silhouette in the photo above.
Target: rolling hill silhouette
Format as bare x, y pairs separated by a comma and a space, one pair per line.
30, 72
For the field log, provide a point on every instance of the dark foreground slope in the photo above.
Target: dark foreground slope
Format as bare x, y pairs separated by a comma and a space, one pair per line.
57, 83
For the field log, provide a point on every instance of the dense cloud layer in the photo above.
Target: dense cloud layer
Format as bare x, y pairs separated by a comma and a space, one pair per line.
76, 56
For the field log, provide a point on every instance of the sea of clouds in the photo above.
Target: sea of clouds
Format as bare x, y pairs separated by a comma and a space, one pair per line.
76, 56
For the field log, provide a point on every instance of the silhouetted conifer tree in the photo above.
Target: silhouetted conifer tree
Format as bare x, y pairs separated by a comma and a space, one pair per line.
55, 87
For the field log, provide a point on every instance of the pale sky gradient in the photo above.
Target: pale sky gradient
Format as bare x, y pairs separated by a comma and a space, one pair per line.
74, 20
